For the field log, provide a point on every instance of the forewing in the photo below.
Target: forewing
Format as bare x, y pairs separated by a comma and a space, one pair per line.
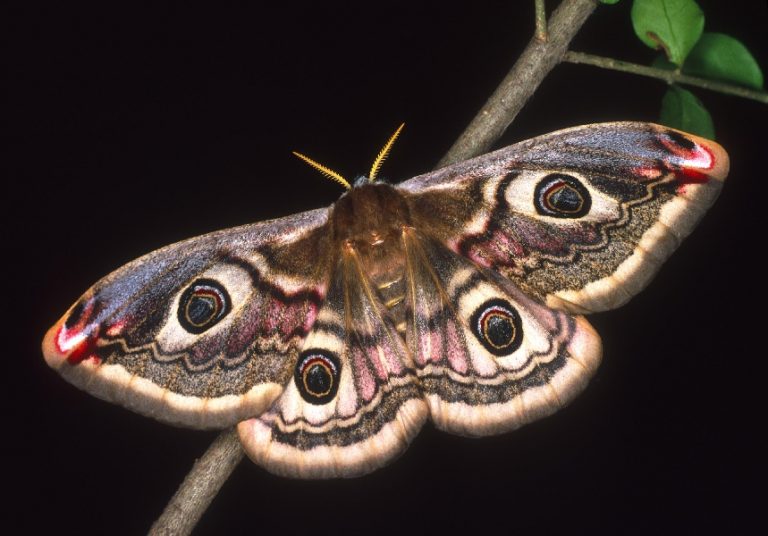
202, 333
489, 358
354, 401
581, 218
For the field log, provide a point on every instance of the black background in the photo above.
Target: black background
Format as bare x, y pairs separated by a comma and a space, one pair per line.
131, 128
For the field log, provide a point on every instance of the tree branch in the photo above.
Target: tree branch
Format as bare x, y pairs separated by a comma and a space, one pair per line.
200, 486
211, 471
538, 58
663, 74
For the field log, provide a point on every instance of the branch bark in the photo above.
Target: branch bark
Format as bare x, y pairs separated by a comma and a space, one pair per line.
669, 77
538, 58
200, 486
211, 471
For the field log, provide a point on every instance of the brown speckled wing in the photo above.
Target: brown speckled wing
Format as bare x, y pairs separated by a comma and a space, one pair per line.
203, 333
354, 401
581, 218
489, 358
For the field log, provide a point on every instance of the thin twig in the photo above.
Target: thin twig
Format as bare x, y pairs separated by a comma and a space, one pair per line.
211, 471
200, 486
666, 75
541, 21
513, 92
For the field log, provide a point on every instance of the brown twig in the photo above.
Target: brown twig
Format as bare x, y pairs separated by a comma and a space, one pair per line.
538, 58
542, 34
211, 471
666, 75
200, 486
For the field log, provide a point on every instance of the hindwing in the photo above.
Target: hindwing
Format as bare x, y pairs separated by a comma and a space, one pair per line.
489, 358
354, 401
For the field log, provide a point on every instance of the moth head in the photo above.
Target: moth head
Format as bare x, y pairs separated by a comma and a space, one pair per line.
361, 180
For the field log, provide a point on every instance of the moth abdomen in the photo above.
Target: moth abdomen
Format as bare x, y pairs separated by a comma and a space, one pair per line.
369, 222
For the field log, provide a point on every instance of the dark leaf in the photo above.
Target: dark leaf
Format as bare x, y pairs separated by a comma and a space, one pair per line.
682, 110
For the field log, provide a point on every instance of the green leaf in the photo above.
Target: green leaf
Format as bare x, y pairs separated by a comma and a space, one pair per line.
721, 57
682, 110
609, 2
673, 26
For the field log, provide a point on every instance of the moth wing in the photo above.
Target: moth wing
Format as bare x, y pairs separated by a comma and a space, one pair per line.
581, 218
488, 357
354, 402
202, 333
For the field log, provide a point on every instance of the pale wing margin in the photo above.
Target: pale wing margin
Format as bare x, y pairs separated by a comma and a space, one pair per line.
369, 406
107, 343
681, 173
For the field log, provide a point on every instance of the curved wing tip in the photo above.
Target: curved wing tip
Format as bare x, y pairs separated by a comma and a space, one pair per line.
53, 357
715, 162
722, 162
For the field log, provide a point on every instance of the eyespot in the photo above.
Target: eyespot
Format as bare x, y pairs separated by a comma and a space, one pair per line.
497, 325
317, 376
561, 196
203, 305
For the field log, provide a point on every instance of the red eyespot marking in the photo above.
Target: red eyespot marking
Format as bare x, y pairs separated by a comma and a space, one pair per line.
648, 172
77, 336
80, 345
689, 161
691, 170
115, 329
691, 176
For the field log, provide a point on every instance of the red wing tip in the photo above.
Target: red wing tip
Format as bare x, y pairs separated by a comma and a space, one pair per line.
697, 158
71, 346
720, 162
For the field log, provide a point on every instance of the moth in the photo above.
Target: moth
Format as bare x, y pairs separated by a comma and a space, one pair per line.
331, 336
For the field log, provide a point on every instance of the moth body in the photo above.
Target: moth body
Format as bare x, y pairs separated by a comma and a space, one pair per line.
368, 222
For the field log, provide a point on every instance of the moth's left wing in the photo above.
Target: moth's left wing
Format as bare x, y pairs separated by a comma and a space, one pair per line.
581, 218
202, 333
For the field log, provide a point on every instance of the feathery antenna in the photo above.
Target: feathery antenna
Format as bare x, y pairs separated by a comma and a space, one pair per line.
383, 154
328, 172
325, 171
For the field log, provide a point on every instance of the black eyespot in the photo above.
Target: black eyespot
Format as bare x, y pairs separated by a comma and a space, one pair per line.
497, 325
317, 376
202, 305
561, 196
